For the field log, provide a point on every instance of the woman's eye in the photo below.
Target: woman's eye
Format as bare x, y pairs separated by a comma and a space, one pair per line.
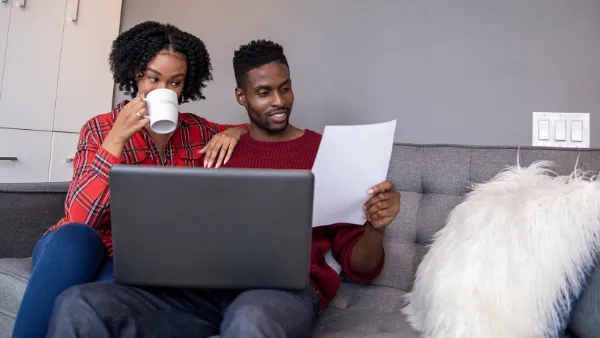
153, 79
175, 84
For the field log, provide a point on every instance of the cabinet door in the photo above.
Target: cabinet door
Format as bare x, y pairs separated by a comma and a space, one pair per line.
31, 64
4, 19
24, 155
85, 84
64, 146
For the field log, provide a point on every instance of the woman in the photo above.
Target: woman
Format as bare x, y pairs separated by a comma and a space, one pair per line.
78, 249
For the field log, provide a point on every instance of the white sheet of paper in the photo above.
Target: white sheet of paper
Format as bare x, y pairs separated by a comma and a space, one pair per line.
350, 160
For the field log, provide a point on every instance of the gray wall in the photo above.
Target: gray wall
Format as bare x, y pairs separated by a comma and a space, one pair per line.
462, 71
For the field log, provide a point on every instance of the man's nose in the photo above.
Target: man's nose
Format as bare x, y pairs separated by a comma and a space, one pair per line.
278, 101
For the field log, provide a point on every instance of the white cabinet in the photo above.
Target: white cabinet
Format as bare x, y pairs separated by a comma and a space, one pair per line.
24, 155
4, 19
86, 48
54, 75
64, 146
31, 64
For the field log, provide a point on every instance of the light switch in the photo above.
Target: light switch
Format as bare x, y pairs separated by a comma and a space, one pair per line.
577, 131
560, 130
543, 129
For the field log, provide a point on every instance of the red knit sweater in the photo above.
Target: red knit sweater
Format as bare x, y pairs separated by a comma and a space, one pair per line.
339, 238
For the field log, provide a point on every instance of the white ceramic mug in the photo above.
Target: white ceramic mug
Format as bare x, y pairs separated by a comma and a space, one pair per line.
163, 110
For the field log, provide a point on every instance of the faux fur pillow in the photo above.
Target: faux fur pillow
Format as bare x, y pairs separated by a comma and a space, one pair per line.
511, 259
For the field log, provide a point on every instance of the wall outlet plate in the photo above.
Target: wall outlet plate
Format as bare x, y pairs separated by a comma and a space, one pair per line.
568, 130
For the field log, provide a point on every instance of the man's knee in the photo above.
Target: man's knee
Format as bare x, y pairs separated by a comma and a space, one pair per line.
70, 307
78, 309
256, 321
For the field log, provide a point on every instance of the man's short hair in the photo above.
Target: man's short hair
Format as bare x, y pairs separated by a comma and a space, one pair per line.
255, 54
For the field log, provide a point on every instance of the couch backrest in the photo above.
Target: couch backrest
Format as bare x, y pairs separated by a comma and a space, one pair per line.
434, 179
26, 212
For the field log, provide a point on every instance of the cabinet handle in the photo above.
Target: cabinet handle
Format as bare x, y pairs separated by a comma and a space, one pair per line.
5, 1
69, 159
74, 11
22, 3
8, 158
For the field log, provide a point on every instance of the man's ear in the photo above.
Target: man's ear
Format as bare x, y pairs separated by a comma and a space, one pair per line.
240, 97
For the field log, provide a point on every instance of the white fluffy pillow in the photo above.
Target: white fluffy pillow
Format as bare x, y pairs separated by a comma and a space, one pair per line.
511, 259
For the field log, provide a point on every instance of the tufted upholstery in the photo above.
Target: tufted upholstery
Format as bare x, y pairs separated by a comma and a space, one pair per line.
432, 179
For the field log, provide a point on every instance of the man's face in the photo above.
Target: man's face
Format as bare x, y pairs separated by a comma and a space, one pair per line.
268, 96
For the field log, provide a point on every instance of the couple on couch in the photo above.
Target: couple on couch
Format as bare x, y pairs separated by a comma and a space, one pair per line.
71, 292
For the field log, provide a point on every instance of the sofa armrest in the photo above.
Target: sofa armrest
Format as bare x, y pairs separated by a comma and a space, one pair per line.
27, 210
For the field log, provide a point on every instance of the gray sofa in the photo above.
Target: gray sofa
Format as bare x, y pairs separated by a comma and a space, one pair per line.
432, 180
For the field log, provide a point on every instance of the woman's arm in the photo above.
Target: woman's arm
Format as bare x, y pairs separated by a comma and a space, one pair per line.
220, 147
87, 200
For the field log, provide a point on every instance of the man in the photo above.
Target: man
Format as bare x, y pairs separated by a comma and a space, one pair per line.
264, 88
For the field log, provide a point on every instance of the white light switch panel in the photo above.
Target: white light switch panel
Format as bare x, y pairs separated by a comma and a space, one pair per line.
569, 130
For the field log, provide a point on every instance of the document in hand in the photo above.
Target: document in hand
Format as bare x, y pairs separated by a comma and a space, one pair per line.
350, 160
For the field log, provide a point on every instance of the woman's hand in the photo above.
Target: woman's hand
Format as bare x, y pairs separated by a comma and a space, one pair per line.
129, 121
221, 145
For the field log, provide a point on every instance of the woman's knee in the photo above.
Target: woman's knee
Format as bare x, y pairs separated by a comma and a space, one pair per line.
79, 232
75, 237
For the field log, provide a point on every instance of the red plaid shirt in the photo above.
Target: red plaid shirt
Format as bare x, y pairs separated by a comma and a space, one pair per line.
87, 200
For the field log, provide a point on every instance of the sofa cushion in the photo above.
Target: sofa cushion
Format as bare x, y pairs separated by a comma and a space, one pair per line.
14, 273
364, 311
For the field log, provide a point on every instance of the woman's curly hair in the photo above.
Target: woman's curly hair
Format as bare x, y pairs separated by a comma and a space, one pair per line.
133, 49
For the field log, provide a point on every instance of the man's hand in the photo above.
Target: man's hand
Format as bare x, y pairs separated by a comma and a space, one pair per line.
383, 206
221, 145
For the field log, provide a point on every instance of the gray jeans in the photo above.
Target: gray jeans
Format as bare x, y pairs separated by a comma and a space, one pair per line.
107, 309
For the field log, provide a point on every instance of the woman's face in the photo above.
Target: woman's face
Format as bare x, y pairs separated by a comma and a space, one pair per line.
166, 70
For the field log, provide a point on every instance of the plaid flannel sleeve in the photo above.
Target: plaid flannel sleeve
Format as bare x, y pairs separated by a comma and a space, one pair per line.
87, 200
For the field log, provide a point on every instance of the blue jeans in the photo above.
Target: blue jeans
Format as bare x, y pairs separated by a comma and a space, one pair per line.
106, 309
70, 255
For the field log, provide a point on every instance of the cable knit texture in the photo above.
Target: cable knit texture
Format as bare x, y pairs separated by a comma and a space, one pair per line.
340, 238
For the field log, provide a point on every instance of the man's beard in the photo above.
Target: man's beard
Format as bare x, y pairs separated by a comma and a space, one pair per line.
264, 123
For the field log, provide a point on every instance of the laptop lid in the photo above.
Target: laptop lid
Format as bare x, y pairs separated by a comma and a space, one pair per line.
211, 228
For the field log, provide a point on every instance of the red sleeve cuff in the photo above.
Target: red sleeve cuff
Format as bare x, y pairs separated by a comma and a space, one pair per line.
358, 275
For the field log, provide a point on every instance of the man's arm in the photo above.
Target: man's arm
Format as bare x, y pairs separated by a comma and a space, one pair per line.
348, 253
368, 250
380, 211
360, 249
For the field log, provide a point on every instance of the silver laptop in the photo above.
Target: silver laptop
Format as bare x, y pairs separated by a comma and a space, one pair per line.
211, 228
